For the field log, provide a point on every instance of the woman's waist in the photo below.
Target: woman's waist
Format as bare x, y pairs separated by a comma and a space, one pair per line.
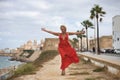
64, 44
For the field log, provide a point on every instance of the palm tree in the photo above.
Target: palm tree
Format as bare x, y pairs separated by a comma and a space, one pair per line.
81, 37
87, 24
97, 12
75, 40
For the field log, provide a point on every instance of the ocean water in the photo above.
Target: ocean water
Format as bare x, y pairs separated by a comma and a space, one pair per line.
5, 62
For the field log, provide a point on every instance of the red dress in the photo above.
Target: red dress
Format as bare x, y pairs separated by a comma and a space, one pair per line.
68, 54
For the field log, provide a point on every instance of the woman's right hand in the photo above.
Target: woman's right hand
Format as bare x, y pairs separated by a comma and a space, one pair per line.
43, 29
82, 31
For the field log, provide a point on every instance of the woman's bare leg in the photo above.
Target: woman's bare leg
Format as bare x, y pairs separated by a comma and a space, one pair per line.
63, 72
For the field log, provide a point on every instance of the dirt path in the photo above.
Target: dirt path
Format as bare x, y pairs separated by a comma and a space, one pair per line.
81, 71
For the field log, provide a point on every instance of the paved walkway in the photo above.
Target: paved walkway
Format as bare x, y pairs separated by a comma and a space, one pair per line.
104, 57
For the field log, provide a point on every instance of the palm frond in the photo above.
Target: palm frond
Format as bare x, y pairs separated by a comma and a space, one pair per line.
100, 20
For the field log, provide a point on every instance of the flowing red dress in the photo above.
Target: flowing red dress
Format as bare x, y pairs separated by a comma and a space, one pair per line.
68, 54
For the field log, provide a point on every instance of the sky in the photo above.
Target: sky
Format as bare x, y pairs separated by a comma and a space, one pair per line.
22, 20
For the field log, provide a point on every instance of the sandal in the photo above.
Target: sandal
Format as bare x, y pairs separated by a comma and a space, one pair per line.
63, 72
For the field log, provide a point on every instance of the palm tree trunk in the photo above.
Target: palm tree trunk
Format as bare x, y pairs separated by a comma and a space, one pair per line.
87, 38
81, 44
98, 45
78, 44
95, 37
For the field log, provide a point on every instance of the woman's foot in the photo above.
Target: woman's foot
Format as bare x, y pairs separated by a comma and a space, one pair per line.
63, 72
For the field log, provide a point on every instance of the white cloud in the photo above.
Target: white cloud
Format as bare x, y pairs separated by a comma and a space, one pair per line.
22, 19
39, 4
6, 33
57, 20
78, 24
50, 21
6, 4
16, 41
13, 14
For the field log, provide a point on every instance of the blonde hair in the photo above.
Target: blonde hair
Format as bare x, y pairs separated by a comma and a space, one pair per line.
63, 27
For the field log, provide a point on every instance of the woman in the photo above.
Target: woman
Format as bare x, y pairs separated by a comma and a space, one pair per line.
68, 54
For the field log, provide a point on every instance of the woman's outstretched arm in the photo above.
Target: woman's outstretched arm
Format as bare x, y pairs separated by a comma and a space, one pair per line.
76, 33
51, 32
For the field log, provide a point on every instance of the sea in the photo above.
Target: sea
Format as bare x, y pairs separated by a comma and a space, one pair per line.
6, 63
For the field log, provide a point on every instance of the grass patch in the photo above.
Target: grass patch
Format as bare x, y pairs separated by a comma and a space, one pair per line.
28, 68
99, 69
75, 68
97, 78
90, 79
81, 73
45, 56
24, 69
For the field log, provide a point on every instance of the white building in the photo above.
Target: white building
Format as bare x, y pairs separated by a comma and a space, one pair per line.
30, 45
116, 31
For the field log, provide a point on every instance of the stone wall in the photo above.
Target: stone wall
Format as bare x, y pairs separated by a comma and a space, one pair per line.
50, 44
105, 42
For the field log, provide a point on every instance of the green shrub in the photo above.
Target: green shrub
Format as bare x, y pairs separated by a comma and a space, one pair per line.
28, 68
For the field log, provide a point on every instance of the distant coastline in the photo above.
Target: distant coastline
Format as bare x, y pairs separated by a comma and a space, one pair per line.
5, 62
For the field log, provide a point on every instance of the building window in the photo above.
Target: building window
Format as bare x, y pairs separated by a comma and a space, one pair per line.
113, 32
113, 23
117, 39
